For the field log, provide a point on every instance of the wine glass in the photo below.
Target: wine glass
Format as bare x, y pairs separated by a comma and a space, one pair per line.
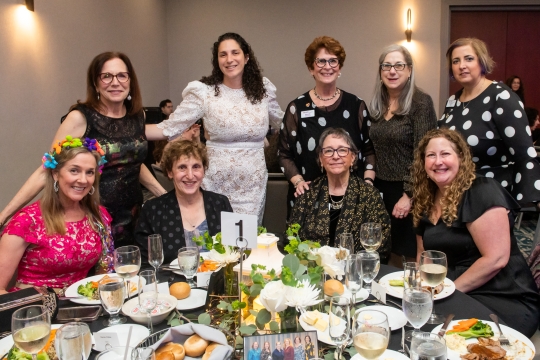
31, 327
155, 251
417, 307
188, 262
411, 275
148, 294
73, 341
111, 294
346, 241
371, 333
433, 272
339, 316
370, 236
428, 346
353, 275
371, 263
127, 262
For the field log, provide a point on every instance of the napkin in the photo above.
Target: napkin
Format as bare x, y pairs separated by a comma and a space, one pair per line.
179, 334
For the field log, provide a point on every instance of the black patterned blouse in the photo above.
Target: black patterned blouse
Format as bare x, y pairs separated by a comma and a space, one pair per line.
162, 216
495, 126
362, 204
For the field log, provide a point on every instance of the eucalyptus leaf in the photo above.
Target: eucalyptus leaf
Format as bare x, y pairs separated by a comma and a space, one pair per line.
351, 350
301, 270
253, 312
174, 322
274, 326
255, 289
239, 340
204, 319
311, 257
303, 247
223, 305
292, 262
247, 329
264, 316
329, 355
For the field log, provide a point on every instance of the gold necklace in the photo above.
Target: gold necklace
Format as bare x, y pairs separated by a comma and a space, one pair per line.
320, 98
336, 205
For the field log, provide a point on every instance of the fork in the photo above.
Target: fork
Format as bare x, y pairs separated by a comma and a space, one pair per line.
502, 338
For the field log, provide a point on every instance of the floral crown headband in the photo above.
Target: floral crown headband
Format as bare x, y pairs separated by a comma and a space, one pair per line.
91, 144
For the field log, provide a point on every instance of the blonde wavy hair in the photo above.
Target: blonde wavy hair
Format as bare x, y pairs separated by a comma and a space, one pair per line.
425, 189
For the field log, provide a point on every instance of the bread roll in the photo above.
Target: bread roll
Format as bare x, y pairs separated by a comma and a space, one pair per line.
175, 349
165, 355
180, 290
333, 287
209, 350
195, 346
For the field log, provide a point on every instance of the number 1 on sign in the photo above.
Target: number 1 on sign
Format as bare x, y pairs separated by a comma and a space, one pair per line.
240, 225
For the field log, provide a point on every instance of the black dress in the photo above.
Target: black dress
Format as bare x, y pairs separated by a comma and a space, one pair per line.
512, 293
124, 142
495, 126
302, 127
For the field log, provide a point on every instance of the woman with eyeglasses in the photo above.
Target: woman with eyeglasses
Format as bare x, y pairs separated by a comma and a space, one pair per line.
113, 115
339, 201
320, 108
401, 115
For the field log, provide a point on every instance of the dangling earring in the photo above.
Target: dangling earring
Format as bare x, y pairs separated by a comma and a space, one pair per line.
98, 96
92, 191
55, 186
339, 75
129, 97
409, 80
351, 168
322, 169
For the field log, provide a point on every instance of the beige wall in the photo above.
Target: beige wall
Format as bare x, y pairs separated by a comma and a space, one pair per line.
43, 60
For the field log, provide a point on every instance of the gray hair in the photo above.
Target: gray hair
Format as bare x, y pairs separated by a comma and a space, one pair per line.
379, 103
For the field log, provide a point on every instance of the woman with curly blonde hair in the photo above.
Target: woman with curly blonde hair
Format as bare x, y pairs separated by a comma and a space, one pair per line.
470, 218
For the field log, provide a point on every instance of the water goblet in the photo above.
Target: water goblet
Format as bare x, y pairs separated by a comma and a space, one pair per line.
31, 327
371, 236
188, 262
73, 341
428, 346
339, 316
127, 262
155, 251
148, 294
111, 294
371, 333
353, 275
417, 307
371, 263
433, 269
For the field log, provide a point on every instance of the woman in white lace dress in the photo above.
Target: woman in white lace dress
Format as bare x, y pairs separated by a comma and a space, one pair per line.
236, 104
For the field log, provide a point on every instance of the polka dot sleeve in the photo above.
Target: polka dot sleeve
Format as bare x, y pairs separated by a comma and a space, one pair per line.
287, 139
367, 150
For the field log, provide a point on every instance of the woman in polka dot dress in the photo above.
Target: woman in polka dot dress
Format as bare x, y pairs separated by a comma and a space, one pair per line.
402, 114
491, 118
311, 113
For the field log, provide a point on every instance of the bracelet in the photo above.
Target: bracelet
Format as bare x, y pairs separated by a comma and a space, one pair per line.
370, 180
298, 182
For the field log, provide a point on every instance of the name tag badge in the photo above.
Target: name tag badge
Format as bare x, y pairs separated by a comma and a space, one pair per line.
307, 113
451, 103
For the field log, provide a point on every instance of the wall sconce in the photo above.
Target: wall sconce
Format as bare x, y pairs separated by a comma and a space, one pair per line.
29, 4
408, 32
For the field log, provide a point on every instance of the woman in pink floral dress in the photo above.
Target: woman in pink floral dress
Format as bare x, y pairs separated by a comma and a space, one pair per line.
55, 241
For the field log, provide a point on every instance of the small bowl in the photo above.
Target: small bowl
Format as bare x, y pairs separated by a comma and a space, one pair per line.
140, 317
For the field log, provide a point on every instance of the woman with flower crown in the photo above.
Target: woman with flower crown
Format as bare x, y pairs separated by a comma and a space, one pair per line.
55, 241
113, 114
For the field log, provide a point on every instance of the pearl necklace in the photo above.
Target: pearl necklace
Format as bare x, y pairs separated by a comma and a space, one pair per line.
330, 98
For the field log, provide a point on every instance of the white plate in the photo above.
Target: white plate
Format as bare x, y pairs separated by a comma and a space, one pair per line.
322, 336
174, 263
397, 291
138, 334
7, 343
396, 318
360, 296
512, 334
388, 354
196, 299
72, 289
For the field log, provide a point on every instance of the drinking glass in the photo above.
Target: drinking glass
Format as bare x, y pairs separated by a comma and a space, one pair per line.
111, 294
148, 295
73, 341
31, 327
127, 262
371, 263
428, 346
353, 275
411, 275
188, 262
155, 251
433, 272
417, 307
346, 241
370, 236
339, 316
371, 333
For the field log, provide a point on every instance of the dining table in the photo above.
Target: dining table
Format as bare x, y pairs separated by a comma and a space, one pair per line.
459, 304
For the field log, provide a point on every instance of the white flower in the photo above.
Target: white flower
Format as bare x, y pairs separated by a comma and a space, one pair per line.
230, 256
302, 296
272, 297
331, 265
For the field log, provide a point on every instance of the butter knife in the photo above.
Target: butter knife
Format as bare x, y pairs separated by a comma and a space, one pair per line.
445, 325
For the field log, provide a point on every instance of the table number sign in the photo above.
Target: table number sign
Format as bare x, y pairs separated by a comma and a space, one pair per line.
234, 226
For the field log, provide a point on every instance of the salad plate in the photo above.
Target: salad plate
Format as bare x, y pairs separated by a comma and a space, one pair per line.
397, 291
71, 291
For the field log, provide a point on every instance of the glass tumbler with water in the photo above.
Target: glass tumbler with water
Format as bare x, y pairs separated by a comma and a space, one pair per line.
427, 346
417, 307
371, 263
73, 341
188, 262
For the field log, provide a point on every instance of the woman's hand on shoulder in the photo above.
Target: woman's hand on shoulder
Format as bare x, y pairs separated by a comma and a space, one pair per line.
402, 207
300, 185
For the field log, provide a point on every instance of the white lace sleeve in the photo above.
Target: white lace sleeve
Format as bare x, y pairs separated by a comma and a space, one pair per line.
191, 109
275, 114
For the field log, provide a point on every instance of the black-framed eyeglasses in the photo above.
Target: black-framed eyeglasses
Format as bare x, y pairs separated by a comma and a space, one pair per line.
329, 152
397, 66
333, 62
107, 78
